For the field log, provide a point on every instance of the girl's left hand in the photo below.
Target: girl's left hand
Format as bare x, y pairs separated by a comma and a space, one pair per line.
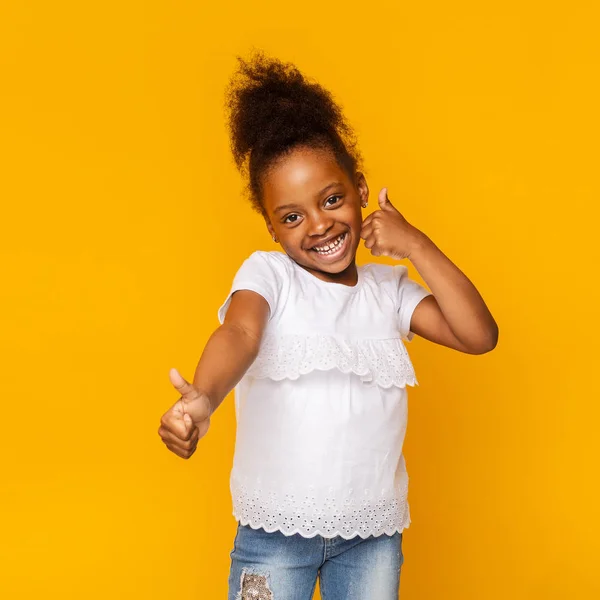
386, 232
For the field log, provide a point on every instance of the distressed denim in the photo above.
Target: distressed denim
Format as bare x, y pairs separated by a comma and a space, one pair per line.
273, 566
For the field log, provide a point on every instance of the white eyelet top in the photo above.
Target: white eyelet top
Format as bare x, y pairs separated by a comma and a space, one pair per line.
322, 412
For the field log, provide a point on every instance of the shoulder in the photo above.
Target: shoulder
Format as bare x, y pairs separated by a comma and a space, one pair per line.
269, 267
393, 282
273, 257
383, 274
393, 274
263, 256
262, 272
274, 261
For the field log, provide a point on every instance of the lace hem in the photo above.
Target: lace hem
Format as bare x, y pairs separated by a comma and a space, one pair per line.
346, 516
384, 362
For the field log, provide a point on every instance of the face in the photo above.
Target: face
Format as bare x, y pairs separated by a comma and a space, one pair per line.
314, 209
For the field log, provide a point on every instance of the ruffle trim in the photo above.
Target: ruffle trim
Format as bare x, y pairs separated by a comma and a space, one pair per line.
384, 362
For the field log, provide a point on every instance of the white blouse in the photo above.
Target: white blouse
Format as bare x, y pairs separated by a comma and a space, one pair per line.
322, 412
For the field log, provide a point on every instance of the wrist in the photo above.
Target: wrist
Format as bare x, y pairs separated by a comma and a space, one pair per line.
209, 398
419, 243
212, 402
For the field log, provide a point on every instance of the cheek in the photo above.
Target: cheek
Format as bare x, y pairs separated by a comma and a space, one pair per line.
356, 219
291, 238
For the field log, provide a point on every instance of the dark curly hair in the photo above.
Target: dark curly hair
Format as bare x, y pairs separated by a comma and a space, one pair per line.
272, 108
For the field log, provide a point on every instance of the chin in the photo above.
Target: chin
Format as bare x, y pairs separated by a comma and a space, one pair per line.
338, 267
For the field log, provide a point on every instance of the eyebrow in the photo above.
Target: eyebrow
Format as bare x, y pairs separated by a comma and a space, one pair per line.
288, 206
331, 185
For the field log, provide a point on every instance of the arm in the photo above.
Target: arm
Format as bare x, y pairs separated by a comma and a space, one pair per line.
232, 347
229, 352
455, 315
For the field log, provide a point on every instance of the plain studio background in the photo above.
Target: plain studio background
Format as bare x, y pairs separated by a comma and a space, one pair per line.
123, 223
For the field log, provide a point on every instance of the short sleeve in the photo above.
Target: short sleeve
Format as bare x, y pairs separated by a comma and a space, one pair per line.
259, 274
410, 293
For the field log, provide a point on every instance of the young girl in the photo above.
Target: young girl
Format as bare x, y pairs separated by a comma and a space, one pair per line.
313, 345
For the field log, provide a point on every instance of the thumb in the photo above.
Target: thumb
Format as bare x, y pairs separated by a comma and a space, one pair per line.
185, 388
383, 199
194, 402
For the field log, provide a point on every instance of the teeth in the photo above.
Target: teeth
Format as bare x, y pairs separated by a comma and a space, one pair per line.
329, 248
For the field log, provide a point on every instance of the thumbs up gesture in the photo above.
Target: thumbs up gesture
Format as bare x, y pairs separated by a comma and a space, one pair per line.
187, 420
386, 232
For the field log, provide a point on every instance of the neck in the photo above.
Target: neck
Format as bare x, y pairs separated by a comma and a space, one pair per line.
349, 276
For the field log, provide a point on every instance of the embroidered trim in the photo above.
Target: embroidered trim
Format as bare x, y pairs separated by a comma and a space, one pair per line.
384, 362
346, 515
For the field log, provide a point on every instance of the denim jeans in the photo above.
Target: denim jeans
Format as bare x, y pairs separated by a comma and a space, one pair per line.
273, 566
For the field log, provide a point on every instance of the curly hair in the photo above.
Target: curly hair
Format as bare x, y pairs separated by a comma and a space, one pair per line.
272, 108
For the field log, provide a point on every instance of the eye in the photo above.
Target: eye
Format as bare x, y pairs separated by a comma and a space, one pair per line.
336, 199
291, 219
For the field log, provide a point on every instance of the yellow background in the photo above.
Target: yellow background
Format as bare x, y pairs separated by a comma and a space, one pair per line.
123, 223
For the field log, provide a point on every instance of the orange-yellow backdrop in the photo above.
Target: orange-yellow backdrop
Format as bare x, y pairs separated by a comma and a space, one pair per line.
123, 223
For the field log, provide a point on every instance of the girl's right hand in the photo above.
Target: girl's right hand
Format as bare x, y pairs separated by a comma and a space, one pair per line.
187, 420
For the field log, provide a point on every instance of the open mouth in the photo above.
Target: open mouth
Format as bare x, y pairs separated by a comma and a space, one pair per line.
333, 248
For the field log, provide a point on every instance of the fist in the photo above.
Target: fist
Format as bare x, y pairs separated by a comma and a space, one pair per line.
187, 420
386, 232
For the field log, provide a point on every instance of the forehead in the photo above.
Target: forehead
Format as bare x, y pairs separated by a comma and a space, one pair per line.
300, 176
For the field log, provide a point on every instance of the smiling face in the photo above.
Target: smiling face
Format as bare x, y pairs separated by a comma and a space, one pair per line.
314, 208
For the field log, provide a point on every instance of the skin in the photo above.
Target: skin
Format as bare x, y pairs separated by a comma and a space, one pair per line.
301, 213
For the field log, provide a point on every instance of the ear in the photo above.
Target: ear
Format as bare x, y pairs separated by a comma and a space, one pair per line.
362, 187
270, 228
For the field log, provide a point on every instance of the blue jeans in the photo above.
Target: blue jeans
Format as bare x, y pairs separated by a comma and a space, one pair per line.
273, 566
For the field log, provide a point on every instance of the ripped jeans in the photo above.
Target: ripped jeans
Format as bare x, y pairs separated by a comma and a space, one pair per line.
273, 566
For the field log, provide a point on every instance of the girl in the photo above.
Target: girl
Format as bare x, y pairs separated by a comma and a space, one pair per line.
313, 345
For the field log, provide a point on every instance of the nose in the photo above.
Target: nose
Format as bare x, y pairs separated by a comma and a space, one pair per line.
320, 223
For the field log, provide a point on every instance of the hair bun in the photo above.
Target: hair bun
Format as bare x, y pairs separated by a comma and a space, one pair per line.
272, 107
